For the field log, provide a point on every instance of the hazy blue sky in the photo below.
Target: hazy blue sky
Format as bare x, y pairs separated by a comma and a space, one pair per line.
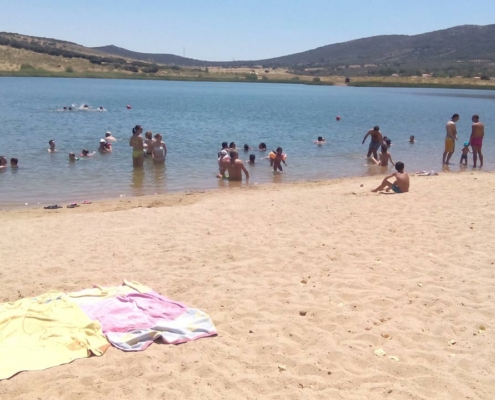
227, 29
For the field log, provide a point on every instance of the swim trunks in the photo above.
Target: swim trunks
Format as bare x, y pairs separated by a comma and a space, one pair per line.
464, 157
375, 145
477, 142
396, 188
449, 144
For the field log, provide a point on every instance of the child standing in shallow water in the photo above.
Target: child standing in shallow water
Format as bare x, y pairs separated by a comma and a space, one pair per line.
278, 160
465, 151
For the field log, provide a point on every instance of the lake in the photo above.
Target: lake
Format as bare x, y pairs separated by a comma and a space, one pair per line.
195, 117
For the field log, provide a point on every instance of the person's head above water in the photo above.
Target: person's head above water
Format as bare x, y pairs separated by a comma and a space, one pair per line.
262, 146
475, 118
411, 138
148, 135
279, 150
85, 152
3, 161
14, 162
137, 130
234, 155
72, 156
320, 139
225, 145
246, 147
108, 134
384, 148
252, 157
376, 128
232, 145
399, 166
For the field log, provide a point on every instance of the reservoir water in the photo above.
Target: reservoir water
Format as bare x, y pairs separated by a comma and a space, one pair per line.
195, 117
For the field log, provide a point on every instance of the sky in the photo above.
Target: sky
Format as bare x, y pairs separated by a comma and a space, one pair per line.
225, 30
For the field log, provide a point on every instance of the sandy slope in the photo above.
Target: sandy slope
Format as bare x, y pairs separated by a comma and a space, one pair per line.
417, 267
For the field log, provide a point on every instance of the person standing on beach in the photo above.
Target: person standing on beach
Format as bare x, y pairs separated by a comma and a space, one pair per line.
476, 140
137, 144
450, 139
376, 141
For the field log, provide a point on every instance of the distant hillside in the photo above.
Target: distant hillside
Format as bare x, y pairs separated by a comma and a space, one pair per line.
461, 43
467, 49
152, 58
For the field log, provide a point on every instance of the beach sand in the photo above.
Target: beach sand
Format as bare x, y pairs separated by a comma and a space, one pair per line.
411, 274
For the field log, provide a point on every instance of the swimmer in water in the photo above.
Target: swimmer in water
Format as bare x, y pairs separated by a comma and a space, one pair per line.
384, 157
137, 144
252, 159
72, 157
14, 162
278, 160
52, 146
86, 153
321, 141
3, 162
159, 150
232, 146
109, 137
104, 147
148, 142
247, 148
101, 109
411, 139
235, 168
262, 146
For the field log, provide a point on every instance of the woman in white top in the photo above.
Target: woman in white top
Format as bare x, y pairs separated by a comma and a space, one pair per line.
159, 151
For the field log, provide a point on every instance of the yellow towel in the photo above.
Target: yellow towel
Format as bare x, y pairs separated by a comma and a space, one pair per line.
45, 331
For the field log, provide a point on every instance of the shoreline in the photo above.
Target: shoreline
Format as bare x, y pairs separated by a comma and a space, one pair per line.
298, 80
182, 197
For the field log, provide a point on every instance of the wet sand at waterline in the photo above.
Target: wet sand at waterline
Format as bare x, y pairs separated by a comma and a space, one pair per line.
319, 290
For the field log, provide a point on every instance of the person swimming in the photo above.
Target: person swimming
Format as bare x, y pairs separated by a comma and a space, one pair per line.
52, 146
262, 146
159, 150
252, 159
320, 141
247, 148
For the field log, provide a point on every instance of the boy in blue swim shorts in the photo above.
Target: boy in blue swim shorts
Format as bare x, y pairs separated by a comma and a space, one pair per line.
401, 184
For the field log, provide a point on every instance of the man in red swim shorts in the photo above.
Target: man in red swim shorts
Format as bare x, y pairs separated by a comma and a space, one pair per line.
476, 141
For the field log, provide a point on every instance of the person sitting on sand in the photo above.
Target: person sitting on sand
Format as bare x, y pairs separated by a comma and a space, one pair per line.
252, 159
411, 139
159, 150
278, 160
464, 153
14, 162
52, 146
262, 146
247, 148
234, 166
109, 137
72, 157
376, 141
384, 157
401, 184
320, 141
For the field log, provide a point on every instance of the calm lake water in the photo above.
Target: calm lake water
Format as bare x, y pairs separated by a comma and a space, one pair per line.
195, 117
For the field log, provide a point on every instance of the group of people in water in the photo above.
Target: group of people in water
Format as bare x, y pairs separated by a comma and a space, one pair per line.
232, 168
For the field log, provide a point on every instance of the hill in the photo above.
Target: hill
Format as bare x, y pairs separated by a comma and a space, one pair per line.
467, 49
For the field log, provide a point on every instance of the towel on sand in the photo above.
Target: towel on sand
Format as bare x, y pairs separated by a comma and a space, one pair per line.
137, 316
45, 331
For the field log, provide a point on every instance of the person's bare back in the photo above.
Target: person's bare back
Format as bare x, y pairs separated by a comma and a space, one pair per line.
234, 166
401, 184
402, 181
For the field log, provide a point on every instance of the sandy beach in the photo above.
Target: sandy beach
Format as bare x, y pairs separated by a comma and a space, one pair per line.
305, 283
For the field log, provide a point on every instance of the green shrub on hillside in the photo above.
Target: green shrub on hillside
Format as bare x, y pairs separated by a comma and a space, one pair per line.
69, 69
